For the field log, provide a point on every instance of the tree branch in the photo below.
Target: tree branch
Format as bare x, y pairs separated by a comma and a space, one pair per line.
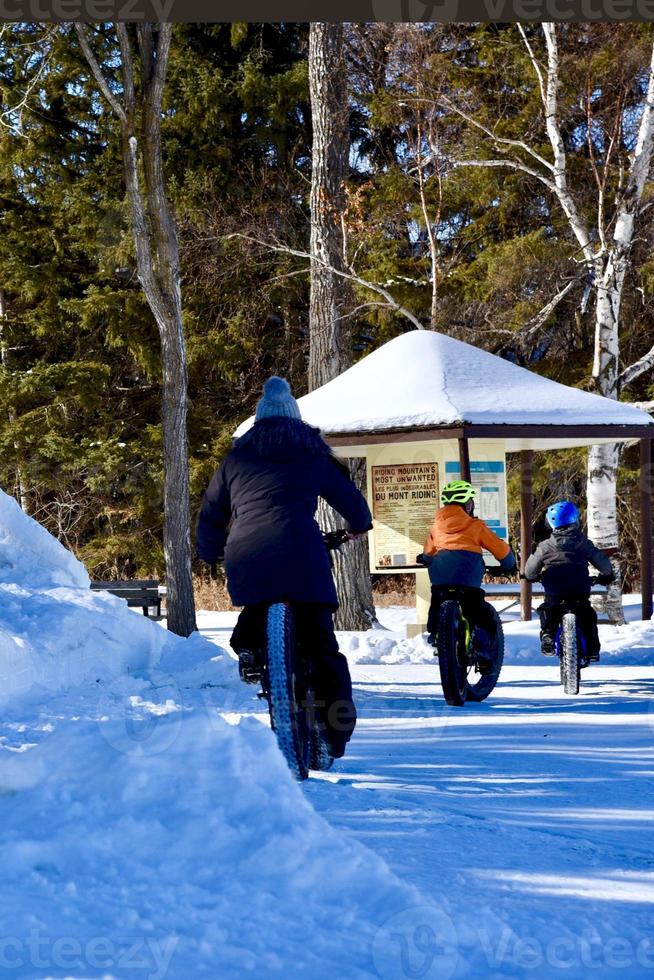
128, 68
635, 370
534, 62
639, 168
97, 72
534, 324
161, 65
499, 140
512, 164
351, 276
556, 140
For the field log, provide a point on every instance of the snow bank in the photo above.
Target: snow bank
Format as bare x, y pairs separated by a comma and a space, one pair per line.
54, 632
198, 856
30, 556
141, 834
628, 645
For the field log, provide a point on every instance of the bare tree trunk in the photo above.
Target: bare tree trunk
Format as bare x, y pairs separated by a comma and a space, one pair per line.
331, 294
21, 489
157, 259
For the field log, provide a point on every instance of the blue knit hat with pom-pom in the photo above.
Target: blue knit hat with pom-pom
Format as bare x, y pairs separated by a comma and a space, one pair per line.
277, 401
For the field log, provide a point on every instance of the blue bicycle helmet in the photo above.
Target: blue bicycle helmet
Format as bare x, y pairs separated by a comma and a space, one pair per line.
562, 514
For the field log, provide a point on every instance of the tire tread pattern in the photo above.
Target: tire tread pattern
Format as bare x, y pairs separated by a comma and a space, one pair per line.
283, 711
447, 642
569, 654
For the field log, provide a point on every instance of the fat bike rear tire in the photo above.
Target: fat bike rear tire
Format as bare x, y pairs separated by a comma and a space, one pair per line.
479, 690
286, 697
569, 654
454, 679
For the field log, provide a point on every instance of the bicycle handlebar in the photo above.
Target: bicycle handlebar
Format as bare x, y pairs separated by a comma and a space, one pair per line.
498, 570
334, 539
593, 579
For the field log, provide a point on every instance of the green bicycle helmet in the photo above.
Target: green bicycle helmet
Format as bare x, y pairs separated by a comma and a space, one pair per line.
457, 492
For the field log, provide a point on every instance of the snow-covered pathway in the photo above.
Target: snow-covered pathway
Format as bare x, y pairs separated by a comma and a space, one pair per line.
529, 814
527, 818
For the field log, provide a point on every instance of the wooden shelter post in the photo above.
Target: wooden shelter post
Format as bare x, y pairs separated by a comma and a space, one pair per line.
526, 525
646, 527
464, 458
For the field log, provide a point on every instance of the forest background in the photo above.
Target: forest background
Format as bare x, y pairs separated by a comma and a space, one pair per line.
484, 253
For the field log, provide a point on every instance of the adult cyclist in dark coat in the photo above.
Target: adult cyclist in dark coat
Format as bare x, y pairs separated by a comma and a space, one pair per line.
259, 514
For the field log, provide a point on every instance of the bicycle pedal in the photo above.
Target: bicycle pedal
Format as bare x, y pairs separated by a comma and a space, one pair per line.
250, 675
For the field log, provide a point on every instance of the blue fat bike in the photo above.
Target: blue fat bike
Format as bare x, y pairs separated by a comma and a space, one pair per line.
284, 671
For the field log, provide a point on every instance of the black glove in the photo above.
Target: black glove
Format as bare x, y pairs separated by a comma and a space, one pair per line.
605, 579
423, 560
217, 571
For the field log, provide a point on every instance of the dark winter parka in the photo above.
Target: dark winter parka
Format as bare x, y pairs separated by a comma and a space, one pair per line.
562, 562
266, 493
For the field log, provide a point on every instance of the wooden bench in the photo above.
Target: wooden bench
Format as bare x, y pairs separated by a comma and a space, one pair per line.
144, 593
511, 590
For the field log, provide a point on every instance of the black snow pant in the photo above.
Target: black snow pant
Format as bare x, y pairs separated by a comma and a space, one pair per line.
551, 613
331, 673
475, 608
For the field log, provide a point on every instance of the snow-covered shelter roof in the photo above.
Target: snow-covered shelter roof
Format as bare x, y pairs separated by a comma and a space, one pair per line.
427, 385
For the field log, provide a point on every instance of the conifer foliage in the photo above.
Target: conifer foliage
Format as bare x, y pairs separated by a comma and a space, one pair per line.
476, 249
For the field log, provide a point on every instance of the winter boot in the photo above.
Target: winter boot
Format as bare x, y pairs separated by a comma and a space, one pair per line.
547, 645
249, 666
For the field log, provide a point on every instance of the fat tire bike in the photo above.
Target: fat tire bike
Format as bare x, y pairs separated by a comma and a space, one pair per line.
464, 675
571, 645
287, 685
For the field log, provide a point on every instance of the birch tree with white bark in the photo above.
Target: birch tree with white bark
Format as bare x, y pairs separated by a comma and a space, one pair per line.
605, 248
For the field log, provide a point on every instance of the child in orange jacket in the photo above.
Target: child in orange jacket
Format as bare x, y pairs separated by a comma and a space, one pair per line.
454, 553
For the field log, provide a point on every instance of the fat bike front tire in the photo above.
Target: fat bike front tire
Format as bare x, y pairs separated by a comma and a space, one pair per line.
454, 679
569, 654
286, 699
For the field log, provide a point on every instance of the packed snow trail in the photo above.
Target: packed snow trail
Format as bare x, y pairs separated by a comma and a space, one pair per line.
529, 815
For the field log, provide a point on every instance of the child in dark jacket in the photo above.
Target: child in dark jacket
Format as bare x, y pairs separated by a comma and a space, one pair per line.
561, 562
454, 553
